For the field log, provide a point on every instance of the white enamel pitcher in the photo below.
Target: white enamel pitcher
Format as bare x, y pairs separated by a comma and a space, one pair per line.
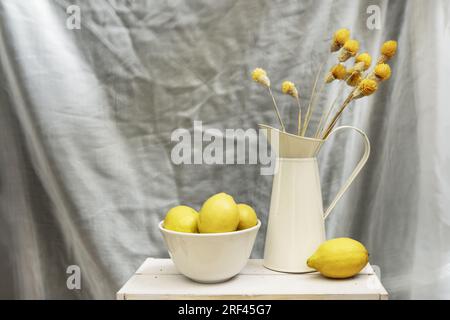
296, 224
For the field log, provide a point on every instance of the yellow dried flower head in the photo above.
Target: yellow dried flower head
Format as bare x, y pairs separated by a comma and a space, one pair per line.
389, 48
350, 49
354, 79
382, 71
367, 86
352, 46
364, 58
260, 75
338, 71
289, 88
341, 36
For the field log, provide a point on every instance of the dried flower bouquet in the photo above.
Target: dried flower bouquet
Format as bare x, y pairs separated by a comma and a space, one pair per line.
362, 82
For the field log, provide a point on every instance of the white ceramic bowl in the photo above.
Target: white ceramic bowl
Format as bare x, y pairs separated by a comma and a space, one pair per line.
210, 257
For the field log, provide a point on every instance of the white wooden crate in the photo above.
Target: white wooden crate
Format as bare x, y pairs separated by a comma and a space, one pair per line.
159, 279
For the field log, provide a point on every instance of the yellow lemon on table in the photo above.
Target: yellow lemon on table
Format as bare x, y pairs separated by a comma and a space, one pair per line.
181, 219
339, 258
218, 214
247, 217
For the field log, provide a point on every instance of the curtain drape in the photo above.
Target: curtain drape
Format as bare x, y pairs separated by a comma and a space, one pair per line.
87, 116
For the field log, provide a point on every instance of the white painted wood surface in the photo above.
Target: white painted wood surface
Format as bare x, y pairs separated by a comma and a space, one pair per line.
159, 279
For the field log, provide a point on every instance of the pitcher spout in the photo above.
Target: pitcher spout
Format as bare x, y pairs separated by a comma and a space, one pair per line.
288, 145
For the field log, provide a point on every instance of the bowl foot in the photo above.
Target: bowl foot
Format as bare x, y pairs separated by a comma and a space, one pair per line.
211, 281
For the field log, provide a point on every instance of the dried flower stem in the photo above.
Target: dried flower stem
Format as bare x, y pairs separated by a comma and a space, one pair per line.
338, 115
315, 103
350, 97
299, 117
326, 115
308, 113
276, 110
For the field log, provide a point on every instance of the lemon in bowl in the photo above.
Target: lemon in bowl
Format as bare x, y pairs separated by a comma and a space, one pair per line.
182, 219
247, 216
219, 213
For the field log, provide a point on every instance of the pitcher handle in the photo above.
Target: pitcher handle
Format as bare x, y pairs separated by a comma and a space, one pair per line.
355, 172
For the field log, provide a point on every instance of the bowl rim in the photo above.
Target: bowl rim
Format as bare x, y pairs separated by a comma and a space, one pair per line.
216, 234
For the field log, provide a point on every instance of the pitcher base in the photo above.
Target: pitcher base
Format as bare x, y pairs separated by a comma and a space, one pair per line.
288, 270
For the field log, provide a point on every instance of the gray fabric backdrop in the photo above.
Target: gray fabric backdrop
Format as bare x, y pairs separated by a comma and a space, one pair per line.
87, 116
